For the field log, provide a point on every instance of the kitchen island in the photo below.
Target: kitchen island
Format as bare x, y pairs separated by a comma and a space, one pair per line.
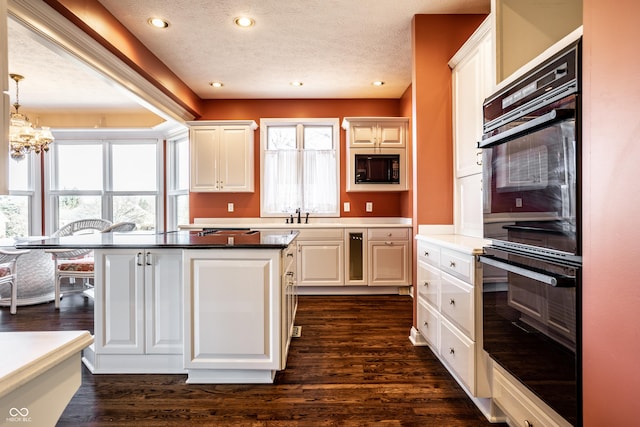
218, 305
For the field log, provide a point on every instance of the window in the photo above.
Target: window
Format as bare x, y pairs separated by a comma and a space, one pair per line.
115, 179
20, 210
300, 166
178, 181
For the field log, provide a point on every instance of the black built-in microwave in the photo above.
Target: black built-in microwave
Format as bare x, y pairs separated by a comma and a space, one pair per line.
377, 168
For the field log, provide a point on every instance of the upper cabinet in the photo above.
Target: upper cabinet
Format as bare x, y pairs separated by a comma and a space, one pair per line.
376, 153
222, 156
376, 132
473, 80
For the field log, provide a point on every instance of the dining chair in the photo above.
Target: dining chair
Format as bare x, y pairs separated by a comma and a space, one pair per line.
8, 273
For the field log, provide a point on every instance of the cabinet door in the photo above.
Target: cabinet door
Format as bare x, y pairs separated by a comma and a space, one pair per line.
363, 134
320, 263
163, 297
204, 154
232, 316
235, 173
468, 212
119, 301
388, 263
391, 134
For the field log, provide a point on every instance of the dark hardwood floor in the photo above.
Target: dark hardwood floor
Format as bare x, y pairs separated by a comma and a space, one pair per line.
352, 366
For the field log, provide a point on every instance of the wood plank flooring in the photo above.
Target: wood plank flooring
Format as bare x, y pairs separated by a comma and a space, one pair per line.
352, 366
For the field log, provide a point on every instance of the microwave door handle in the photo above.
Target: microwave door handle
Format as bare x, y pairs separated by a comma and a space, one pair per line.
555, 281
528, 127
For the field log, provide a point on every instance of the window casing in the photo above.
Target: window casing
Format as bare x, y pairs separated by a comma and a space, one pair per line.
300, 165
116, 177
178, 180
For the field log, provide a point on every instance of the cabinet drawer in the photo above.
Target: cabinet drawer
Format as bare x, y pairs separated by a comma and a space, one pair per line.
429, 253
388, 234
520, 410
428, 283
458, 352
456, 303
457, 264
428, 323
321, 234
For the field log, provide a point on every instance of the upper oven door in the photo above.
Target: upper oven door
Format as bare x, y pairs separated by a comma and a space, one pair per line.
530, 179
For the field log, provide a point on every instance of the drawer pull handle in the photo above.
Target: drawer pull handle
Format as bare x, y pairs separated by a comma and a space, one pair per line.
528, 423
452, 264
138, 256
426, 284
426, 324
290, 254
290, 273
452, 302
388, 243
452, 350
426, 253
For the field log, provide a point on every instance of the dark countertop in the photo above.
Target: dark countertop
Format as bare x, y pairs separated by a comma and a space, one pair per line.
223, 239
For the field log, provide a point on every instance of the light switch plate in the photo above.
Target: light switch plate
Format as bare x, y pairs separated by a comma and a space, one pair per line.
229, 207
369, 207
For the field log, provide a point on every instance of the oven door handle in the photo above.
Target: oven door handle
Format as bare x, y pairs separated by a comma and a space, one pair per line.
549, 279
528, 127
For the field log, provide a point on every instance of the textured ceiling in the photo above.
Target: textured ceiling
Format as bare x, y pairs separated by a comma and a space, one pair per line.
335, 47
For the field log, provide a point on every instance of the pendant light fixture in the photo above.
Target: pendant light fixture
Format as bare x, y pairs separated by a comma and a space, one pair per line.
23, 136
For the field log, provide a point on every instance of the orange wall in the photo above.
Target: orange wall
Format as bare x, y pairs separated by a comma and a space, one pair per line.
611, 208
436, 38
213, 205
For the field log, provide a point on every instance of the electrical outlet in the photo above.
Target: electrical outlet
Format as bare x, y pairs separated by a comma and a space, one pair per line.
229, 207
369, 207
347, 207
518, 202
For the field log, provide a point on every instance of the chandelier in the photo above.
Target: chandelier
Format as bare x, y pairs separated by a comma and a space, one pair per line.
23, 137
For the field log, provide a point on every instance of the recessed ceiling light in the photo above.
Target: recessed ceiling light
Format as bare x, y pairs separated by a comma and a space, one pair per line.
216, 84
378, 83
244, 21
158, 22
296, 84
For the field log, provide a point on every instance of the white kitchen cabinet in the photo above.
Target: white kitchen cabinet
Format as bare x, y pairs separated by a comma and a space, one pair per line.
388, 255
449, 310
222, 156
321, 257
234, 329
289, 301
138, 305
376, 132
473, 79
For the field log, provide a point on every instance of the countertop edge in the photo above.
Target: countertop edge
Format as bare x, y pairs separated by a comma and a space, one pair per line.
457, 242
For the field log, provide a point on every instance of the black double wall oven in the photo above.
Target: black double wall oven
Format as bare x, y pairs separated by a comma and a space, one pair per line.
532, 268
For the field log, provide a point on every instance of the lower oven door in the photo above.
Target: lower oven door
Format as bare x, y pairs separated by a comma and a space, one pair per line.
531, 327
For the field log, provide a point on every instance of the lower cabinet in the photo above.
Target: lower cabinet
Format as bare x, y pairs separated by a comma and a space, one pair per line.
146, 293
320, 257
449, 311
236, 306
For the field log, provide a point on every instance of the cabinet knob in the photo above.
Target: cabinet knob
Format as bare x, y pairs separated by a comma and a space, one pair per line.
426, 284
426, 324
452, 264
452, 350
528, 423
452, 301
426, 253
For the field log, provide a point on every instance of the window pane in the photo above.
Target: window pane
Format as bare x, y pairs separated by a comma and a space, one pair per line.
14, 216
134, 167
79, 167
138, 209
182, 163
281, 138
19, 174
318, 138
72, 208
182, 203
